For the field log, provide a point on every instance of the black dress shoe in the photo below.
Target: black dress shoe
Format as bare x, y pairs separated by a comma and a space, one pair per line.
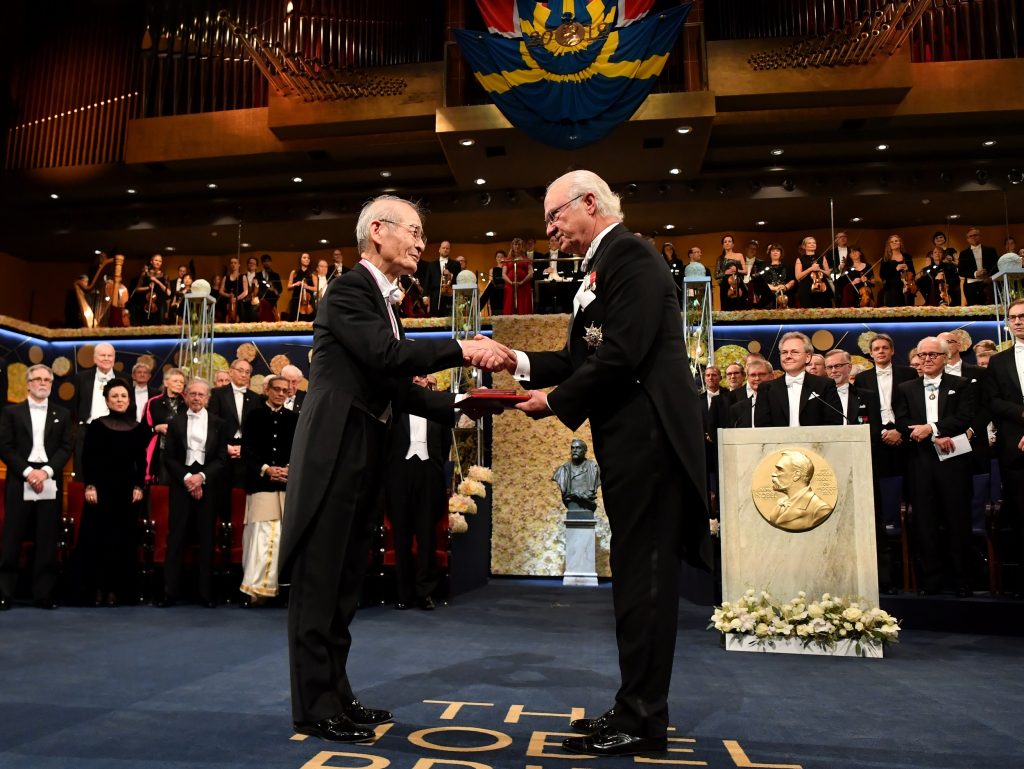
337, 729
427, 604
609, 743
402, 606
964, 592
592, 725
362, 716
4, 603
44, 603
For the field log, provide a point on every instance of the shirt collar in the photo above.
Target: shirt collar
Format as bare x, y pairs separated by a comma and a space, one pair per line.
385, 286
196, 414
799, 379
41, 406
887, 371
1018, 346
595, 243
932, 382
239, 390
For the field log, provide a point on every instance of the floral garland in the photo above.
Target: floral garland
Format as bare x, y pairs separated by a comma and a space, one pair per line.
857, 313
461, 503
822, 623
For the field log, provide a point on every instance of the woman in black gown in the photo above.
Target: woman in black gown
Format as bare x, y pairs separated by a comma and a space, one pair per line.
899, 288
812, 271
303, 285
114, 470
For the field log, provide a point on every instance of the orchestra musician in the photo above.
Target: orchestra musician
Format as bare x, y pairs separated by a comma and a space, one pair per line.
151, 294
234, 290
812, 271
301, 281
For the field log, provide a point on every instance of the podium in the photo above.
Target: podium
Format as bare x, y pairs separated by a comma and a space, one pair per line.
784, 535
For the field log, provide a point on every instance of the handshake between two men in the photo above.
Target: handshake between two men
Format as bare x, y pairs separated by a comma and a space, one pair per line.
491, 355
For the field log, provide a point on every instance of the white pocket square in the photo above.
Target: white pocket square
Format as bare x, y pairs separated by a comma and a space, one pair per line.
951, 392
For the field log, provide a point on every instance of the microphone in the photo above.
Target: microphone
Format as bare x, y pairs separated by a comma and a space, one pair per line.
815, 395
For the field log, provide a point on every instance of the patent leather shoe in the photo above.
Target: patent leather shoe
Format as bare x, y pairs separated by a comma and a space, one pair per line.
402, 606
427, 604
592, 725
609, 743
337, 729
363, 716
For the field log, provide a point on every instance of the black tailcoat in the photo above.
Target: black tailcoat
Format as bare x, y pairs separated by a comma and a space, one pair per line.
772, 408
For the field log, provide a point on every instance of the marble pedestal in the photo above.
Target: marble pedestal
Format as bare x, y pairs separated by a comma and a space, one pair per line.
838, 556
580, 552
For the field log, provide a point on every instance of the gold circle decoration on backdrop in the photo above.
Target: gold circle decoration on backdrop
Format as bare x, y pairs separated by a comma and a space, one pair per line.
823, 340
754, 346
728, 354
278, 362
66, 391
84, 355
864, 363
256, 384
304, 384
61, 366
220, 363
119, 366
246, 351
35, 354
147, 360
794, 489
17, 384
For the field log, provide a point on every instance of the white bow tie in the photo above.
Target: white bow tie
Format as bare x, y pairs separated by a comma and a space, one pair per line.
1018, 346
40, 406
843, 389
933, 382
794, 380
884, 371
104, 378
394, 295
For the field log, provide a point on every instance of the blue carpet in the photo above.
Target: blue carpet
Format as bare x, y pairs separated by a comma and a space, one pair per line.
190, 687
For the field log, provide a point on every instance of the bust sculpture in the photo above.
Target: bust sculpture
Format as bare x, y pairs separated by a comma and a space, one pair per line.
578, 480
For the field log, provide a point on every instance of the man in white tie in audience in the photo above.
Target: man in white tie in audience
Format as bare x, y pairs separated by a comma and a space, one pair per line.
90, 403
799, 398
293, 375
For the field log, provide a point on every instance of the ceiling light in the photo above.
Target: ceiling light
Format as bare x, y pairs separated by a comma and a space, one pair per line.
777, 151
670, 226
212, 185
761, 222
989, 143
675, 171
882, 147
467, 142
54, 195
490, 233
97, 252
245, 245
297, 179
386, 174
169, 248
130, 190
480, 180
684, 129
325, 241
854, 219
953, 216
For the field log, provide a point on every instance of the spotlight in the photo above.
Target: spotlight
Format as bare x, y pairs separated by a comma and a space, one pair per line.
479, 181
663, 187
631, 190
981, 175
788, 184
1015, 176
512, 196
485, 199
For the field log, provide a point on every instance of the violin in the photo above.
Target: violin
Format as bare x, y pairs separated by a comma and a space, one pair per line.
305, 300
818, 284
940, 277
909, 284
232, 314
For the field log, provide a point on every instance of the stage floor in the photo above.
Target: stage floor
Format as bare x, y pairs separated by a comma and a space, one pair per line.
191, 687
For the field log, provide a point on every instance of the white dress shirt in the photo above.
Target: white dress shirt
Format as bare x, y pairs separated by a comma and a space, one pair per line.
417, 438
239, 394
195, 439
955, 368
99, 403
794, 386
931, 405
976, 250
712, 395
390, 292
141, 397
884, 377
1018, 357
289, 403
844, 399
37, 413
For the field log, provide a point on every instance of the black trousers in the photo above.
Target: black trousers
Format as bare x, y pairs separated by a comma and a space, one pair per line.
940, 493
327, 572
415, 504
647, 495
1013, 511
39, 521
185, 512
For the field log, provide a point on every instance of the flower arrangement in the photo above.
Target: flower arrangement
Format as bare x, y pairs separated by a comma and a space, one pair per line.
460, 503
482, 474
472, 488
457, 523
822, 623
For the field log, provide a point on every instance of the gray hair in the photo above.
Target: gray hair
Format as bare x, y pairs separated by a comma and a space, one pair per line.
583, 182
808, 347
37, 367
140, 365
942, 344
760, 363
198, 380
837, 351
380, 208
291, 369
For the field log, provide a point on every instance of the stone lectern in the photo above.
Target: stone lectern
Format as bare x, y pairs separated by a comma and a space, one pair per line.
578, 480
798, 512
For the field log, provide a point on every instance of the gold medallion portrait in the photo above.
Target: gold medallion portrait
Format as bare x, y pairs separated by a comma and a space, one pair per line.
794, 489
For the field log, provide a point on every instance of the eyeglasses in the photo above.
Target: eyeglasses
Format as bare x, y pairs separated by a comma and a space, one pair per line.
550, 216
1009, 318
242, 370
415, 229
39, 379
930, 355
283, 389
835, 366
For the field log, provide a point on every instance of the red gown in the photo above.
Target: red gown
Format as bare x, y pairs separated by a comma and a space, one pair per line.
523, 304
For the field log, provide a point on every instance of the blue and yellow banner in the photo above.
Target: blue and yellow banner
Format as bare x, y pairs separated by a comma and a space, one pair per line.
576, 70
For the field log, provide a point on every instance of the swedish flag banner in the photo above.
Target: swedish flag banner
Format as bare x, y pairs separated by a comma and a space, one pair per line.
576, 70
